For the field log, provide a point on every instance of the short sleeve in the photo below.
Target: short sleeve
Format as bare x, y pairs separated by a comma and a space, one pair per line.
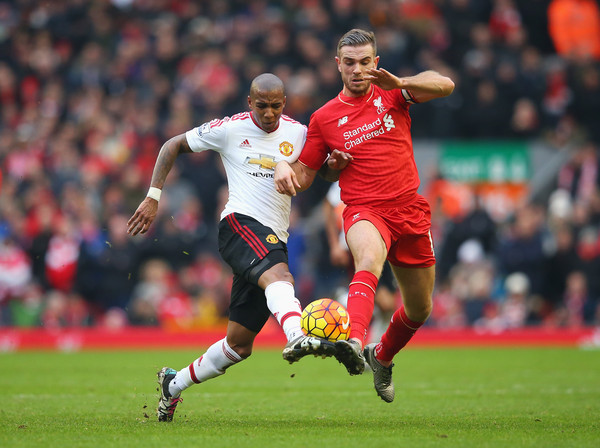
315, 150
211, 135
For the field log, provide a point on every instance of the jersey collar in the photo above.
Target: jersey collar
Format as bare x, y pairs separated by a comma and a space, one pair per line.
355, 101
258, 125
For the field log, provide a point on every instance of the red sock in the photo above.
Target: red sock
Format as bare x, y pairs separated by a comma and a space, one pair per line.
361, 299
397, 335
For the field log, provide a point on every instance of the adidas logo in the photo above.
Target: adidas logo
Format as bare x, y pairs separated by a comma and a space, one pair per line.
245, 144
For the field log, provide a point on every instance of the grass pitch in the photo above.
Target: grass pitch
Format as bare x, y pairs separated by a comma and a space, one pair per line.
444, 398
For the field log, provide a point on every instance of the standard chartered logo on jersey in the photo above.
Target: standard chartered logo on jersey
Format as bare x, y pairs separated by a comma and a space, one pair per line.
368, 131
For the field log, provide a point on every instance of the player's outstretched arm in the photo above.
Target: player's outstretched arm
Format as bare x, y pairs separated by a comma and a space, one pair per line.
424, 87
147, 210
290, 179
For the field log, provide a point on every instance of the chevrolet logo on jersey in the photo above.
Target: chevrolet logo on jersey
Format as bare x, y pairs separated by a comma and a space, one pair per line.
265, 162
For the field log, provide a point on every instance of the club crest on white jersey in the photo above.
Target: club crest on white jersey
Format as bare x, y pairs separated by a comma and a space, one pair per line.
286, 148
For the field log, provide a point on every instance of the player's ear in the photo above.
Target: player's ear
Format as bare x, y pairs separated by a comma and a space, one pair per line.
249, 101
337, 59
376, 61
284, 100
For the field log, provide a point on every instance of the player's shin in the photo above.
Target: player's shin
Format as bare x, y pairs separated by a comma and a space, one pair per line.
361, 299
214, 362
400, 330
283, 304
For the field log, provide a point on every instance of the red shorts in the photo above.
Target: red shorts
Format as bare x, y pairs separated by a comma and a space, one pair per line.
405, 230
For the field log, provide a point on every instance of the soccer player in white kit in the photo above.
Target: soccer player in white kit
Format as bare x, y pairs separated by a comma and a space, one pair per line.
252, 233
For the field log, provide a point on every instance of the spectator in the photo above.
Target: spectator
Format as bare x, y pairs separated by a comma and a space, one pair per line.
562, 261
517, 306
575, 28
489, 113
525, 121
505, 19
521, 248
579, 176
576, 300
106, 277
586, 100
155, 280
475, 226
61, 256
472, 280
15, 274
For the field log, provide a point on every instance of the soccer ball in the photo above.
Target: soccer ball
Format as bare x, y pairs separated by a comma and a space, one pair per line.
326, 319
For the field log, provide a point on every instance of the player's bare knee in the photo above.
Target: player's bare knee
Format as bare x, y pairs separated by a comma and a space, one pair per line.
419, 312
368, 263
285, 276
278, 273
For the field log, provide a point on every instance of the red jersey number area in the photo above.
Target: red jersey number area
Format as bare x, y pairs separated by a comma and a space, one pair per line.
375, 129
405, 230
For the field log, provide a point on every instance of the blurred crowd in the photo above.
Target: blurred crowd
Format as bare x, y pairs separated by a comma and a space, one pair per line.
89, 90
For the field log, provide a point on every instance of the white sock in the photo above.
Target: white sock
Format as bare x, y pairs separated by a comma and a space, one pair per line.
214, 362
284, 305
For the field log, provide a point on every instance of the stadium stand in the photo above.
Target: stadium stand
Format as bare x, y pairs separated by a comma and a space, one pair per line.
88, 90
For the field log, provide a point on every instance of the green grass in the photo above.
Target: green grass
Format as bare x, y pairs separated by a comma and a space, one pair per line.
444, 398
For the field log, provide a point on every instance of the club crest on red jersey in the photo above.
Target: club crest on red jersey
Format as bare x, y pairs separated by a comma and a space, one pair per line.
378, 103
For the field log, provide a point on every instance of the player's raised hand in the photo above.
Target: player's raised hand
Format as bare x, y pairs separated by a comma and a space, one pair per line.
338, 160
382, 78
143, 217
285, 178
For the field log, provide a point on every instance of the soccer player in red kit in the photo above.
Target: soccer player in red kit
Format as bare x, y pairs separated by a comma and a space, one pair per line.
384, 217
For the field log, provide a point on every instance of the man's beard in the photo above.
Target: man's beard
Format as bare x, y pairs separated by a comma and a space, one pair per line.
358, 90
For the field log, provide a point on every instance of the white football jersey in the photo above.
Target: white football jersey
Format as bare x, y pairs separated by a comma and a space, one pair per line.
249, 155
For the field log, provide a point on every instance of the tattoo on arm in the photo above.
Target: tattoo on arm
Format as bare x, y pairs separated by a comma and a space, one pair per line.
166, 159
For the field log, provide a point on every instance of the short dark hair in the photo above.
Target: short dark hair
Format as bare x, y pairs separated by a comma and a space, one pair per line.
357, 37
266, 82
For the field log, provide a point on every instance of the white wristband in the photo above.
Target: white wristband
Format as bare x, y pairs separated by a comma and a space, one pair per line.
154, 193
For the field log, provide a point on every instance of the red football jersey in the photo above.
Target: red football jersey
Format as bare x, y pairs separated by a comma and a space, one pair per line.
375, 129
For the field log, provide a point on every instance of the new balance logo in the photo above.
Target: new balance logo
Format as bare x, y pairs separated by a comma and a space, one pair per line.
342, 121
245, 144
